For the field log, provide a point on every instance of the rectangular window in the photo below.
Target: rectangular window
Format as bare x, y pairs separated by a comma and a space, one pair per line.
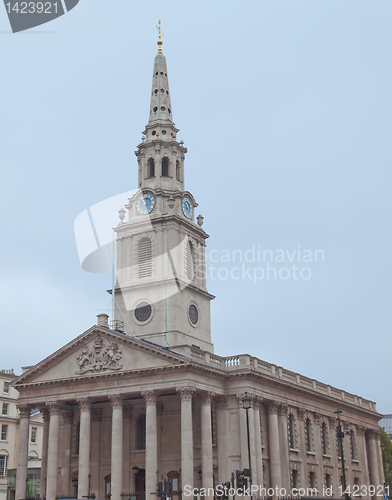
6, 387
4, 431
4, 410
3, 465
33, 437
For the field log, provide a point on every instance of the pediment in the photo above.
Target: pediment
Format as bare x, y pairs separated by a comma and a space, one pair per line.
99, 351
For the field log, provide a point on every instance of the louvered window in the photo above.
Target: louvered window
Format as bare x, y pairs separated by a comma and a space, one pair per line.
145, 258
189, 270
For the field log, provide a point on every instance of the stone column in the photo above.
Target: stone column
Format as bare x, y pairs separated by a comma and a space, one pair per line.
117, 446
284, 446
151, 442
347, 456
303, 479
84, 447
186, 436
334, 454
363, 458
207, 480
373, 462
44, 453
274, 448
251, 421
318, 450
64, 487
243, 435
222, 436
380, 460
127, 415
53, 451
96, 418
259, 454
23, 449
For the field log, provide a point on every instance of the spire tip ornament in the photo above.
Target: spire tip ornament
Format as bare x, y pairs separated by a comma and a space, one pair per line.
159, 42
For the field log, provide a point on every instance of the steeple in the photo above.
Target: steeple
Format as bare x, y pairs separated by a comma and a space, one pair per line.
160, 156
161, 293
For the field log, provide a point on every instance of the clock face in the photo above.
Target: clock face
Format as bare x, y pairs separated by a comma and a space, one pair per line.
187, 207
145, 204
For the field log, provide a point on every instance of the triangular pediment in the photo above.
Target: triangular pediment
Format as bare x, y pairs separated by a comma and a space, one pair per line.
99, 351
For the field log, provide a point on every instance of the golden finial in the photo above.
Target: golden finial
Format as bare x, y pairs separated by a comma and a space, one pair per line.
159, 42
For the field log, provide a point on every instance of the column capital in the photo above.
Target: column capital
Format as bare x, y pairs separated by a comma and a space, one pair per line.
206, 398
257, 402
54, 408
372, 433
96, 415
84, 404
116, 400
150, 397
361, 430
186, 393
272, 406
24, 410
66, 416
317, 418
301, 413
283, 409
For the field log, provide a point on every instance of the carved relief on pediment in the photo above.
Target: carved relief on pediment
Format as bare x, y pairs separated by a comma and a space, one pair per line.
100, 358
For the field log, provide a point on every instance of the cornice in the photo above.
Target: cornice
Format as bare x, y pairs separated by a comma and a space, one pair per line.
245, 372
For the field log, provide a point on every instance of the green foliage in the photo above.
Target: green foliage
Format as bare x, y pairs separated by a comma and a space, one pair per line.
387, 458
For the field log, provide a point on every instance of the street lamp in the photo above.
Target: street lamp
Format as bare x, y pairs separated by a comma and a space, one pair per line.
246, 404
340, 435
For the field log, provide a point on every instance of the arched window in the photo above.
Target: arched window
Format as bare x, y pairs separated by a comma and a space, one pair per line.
324, 438
165, 166
308, 435
291, 431
178, 171
312, 479
328, 481
151, 168
3, 462
145, 257
189, 266
141, 432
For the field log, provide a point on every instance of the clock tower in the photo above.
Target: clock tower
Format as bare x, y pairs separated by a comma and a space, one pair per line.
161, 294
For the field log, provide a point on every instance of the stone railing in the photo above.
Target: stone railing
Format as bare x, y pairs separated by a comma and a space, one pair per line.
241, 361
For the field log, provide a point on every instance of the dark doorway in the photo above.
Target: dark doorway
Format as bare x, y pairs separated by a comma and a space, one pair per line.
140, 484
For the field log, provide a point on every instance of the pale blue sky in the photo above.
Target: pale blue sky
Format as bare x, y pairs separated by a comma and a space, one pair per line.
285, 108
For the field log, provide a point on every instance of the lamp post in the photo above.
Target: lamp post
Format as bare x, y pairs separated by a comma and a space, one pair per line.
246, 404
340, 435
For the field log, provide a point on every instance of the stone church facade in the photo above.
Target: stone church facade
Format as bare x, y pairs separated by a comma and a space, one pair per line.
147, 400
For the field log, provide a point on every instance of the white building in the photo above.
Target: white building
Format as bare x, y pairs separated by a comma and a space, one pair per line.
148, 400
9, 424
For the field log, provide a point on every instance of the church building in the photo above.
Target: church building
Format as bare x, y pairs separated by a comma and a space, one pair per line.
145, 399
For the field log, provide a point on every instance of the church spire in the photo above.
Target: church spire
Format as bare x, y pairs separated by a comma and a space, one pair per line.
160, 106
160, 156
